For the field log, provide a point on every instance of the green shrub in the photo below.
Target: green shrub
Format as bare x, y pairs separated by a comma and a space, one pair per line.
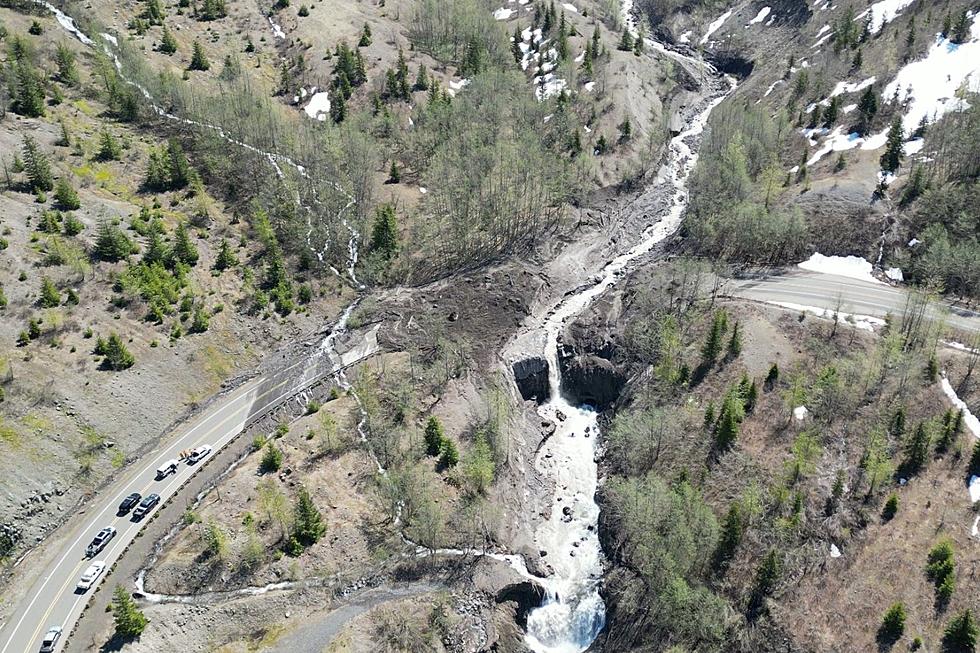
271, 459
893, 623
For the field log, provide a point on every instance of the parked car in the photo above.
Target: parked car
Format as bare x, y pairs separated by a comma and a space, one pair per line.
90, 576
128, 503
146, 505
166, 469
198, 454
101, 539
50, 639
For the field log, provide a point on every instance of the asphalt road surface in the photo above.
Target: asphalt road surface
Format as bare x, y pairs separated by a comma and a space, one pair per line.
53, 600
855, 296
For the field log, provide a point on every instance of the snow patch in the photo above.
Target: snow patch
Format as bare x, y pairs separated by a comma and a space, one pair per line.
110, 38
761, 16
685, 37
319, 106
504, 13
276, 29
895, 274
800, 412
933, 84
884, 12
568, 6
863, 322
974, 489
834, 551
853, 267
969, 418
715, 25
913, 147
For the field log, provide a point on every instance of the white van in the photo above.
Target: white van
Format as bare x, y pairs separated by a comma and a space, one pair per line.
166, 469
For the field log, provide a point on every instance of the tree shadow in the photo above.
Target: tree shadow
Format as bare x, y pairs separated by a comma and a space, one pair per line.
116, 643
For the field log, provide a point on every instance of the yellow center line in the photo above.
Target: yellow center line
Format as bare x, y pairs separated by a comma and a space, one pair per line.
199, 441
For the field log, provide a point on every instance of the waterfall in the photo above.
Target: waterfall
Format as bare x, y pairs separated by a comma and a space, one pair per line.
573, 612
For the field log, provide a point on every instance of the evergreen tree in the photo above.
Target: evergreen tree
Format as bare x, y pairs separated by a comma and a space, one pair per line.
892, 158
199, 60
226, 258
449, 455
891, 508
897, 426
338, 107
36, 166
394, 175
384, 233
868, 109
961, 634
168, 44
28, 89
625, 131
712, 344
65, 139
112, 244
766, 577
832, 112
308, 526
212, 10
515, 45
726, 433
433, 436
421, 80
949, 430
916, 450
625, 41
734, 343
709, 416
751, 397
67, 69
200, 321
772, 377
109, 148
893, 623
365, 39
183, 249
974, 467
857, 61
117, 357
153, 12
157, 171
65, 196
129, 621
729, 538
156, 251
961, 30
50, 297
178, 167
271, 459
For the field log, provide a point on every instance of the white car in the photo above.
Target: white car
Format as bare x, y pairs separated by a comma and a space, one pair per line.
198, 454
166, 469
50, 639
90, 576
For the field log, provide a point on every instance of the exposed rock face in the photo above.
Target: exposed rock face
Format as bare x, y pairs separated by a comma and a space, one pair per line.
589, 379
526, 596
732, 62
531, 375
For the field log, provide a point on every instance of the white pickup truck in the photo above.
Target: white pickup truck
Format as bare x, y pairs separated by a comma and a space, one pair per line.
166, 469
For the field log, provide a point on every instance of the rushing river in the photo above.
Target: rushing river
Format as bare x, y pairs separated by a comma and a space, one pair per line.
573, 612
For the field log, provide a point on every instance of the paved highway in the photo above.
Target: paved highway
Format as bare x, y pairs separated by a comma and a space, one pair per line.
856, 297
52, 599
